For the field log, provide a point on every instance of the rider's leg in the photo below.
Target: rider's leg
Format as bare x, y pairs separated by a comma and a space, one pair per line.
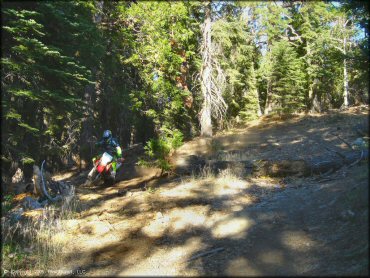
114, 168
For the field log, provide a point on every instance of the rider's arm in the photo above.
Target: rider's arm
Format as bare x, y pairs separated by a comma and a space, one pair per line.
119, 151
118, 148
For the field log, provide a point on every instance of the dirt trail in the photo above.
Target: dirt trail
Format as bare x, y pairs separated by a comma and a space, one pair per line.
231, 224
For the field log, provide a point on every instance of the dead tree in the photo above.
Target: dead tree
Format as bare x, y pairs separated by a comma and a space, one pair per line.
211, 79
43, 181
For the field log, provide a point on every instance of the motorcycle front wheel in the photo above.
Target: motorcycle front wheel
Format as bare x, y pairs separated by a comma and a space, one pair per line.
96, 180
108, 180
93, 178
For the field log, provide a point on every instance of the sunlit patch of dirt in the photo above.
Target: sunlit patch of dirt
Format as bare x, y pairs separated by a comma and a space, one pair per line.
297, 240
240, 267
167, 261
65, 175
232, 228
90, 196
197, 146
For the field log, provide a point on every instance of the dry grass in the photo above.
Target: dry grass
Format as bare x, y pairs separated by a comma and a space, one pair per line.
34, 245
238, 156
228, 181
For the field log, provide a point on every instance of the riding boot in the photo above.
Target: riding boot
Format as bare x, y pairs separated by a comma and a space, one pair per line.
113, 175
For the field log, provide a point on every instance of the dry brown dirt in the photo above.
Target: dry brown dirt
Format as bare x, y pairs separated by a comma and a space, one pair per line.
230, 224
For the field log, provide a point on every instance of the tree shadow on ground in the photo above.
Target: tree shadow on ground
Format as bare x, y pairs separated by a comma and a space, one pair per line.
287, 233
296, 231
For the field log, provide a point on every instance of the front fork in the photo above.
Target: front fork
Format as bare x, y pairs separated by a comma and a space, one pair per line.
93, 170
91, 173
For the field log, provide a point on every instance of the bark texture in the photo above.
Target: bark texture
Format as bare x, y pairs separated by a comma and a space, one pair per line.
212, 79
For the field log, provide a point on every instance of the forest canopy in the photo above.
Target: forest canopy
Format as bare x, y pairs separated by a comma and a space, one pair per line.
152, 70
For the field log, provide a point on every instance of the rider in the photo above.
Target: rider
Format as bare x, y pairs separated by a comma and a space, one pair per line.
111, 146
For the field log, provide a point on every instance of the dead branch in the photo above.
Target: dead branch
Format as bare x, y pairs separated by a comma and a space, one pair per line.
344, 141
324, 175
357, 161
212, 77
329, 179
330, 149
295, 33
333, 151
43, 188
36, 181
218, 82
206, 253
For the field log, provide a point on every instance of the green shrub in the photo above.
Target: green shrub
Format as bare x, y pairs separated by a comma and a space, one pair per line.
7, 203
159, 150
12, 256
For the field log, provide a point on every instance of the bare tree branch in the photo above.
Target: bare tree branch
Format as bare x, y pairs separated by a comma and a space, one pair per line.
295, 33
212, 79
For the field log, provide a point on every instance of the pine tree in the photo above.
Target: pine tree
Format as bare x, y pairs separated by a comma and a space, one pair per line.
163, 47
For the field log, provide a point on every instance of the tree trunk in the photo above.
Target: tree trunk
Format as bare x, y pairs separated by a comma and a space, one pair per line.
205, 118
316, 104
268, 103
259, 111
345, 77
315, 100
311, 96
87, 126
132, 135
255, 92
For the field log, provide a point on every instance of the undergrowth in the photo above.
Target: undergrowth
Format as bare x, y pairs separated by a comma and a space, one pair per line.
34, 244
158, 151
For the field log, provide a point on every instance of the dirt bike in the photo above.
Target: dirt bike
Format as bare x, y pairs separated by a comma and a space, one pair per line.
102, 170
